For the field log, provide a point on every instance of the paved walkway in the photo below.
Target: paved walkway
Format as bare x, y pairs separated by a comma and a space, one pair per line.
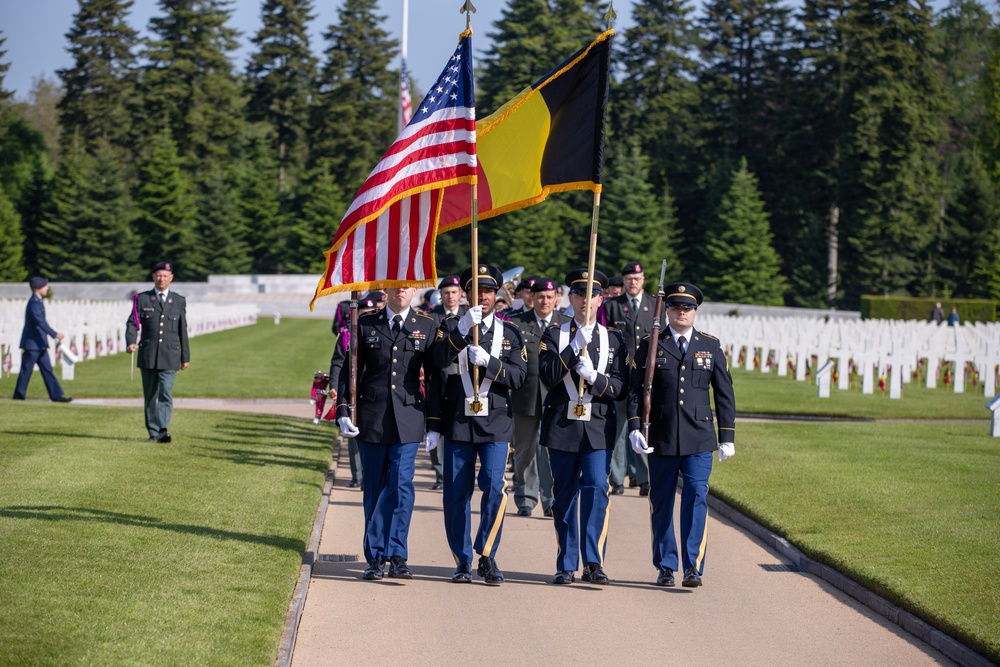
753, 609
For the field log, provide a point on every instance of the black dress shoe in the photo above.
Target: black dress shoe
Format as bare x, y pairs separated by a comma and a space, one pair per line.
618, 490
632, 483
563, 577
374, 570
354, 484
398, 568
691, 578
463, 574
524, 511
63, 399
436, 486
593, 573
489, 571
644, 489
164, 437
665, 578
549, 513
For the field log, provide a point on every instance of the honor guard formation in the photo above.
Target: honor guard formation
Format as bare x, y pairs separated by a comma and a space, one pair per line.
491, 376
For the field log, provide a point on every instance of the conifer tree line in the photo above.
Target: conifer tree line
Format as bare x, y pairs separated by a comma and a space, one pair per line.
802, 154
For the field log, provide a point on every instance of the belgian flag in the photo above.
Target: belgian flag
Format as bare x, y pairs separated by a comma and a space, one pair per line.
548, 138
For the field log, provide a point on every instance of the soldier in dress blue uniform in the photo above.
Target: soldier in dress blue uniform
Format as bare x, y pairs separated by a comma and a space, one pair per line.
579, 432
681, 433
477, 423
161, 317
35, 345
391, 412
632, 314
532, 475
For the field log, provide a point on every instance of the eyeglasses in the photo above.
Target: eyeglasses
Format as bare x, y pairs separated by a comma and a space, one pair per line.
684, 306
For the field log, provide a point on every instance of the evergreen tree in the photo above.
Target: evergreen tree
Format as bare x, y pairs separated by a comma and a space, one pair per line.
986, 272
261, 207
220, 235
971, 217
189, 86
166, 207
280, 76
891, 171
529, 237
531, 38
42, 114
990, 92
33, 209
656, 101
11, 243
319, 211
744, 267
104, 246
354, 118
99, 99
635, 225
64, 212
5, 95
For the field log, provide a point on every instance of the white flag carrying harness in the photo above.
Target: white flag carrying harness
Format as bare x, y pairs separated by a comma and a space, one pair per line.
462, 368
602, 365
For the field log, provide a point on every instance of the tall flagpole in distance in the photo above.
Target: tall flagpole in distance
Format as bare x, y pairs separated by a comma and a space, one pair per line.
469, 9
580, 408
404, 75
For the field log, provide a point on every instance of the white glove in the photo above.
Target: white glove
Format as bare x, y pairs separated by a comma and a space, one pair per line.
638, 442
473, 316
582, 338
726, 450
585, 369
347, 427
432, 441
478, 356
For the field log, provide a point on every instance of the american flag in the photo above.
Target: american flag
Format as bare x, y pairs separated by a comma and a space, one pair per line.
387, 236
405, 108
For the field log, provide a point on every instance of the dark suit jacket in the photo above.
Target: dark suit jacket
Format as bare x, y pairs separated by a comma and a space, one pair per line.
390, 407
36, 330
507, 373
571, 435
618, 314
528, 399
437, 312
163, 338
681, 410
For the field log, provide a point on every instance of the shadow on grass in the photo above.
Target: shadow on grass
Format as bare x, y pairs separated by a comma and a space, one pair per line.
259, 458
59, 513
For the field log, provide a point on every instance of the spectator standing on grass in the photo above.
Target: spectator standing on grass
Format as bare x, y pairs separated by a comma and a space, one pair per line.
937, 313
953, 318
157, 328
391, 414
35, 345
682, 435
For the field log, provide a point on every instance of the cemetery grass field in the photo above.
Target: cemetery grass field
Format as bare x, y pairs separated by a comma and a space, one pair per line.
910, 511
263, 360
117, 551
123, 549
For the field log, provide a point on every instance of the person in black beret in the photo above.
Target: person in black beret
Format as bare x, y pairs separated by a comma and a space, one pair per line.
477, 421
682, 431
451, 300
157, 328
632, 314
579, 429
616, 285
532, 475
35, 346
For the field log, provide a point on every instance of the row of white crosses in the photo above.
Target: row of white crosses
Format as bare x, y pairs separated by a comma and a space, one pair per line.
873, 345
97, 328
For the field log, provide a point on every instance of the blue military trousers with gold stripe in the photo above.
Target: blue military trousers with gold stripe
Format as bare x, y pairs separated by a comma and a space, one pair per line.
459, 479
388, 492
580, 491
663, 474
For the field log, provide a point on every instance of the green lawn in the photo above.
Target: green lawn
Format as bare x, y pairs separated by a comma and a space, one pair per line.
117, 551
259, 361
910, 510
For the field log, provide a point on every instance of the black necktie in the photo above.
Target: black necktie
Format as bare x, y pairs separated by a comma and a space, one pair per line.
682, 343
397, 322
163, 297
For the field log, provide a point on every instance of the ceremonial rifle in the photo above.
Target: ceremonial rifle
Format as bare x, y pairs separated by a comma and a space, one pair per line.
353, 377
654, 343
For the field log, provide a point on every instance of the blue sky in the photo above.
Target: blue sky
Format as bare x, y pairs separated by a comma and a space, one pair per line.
36, 29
